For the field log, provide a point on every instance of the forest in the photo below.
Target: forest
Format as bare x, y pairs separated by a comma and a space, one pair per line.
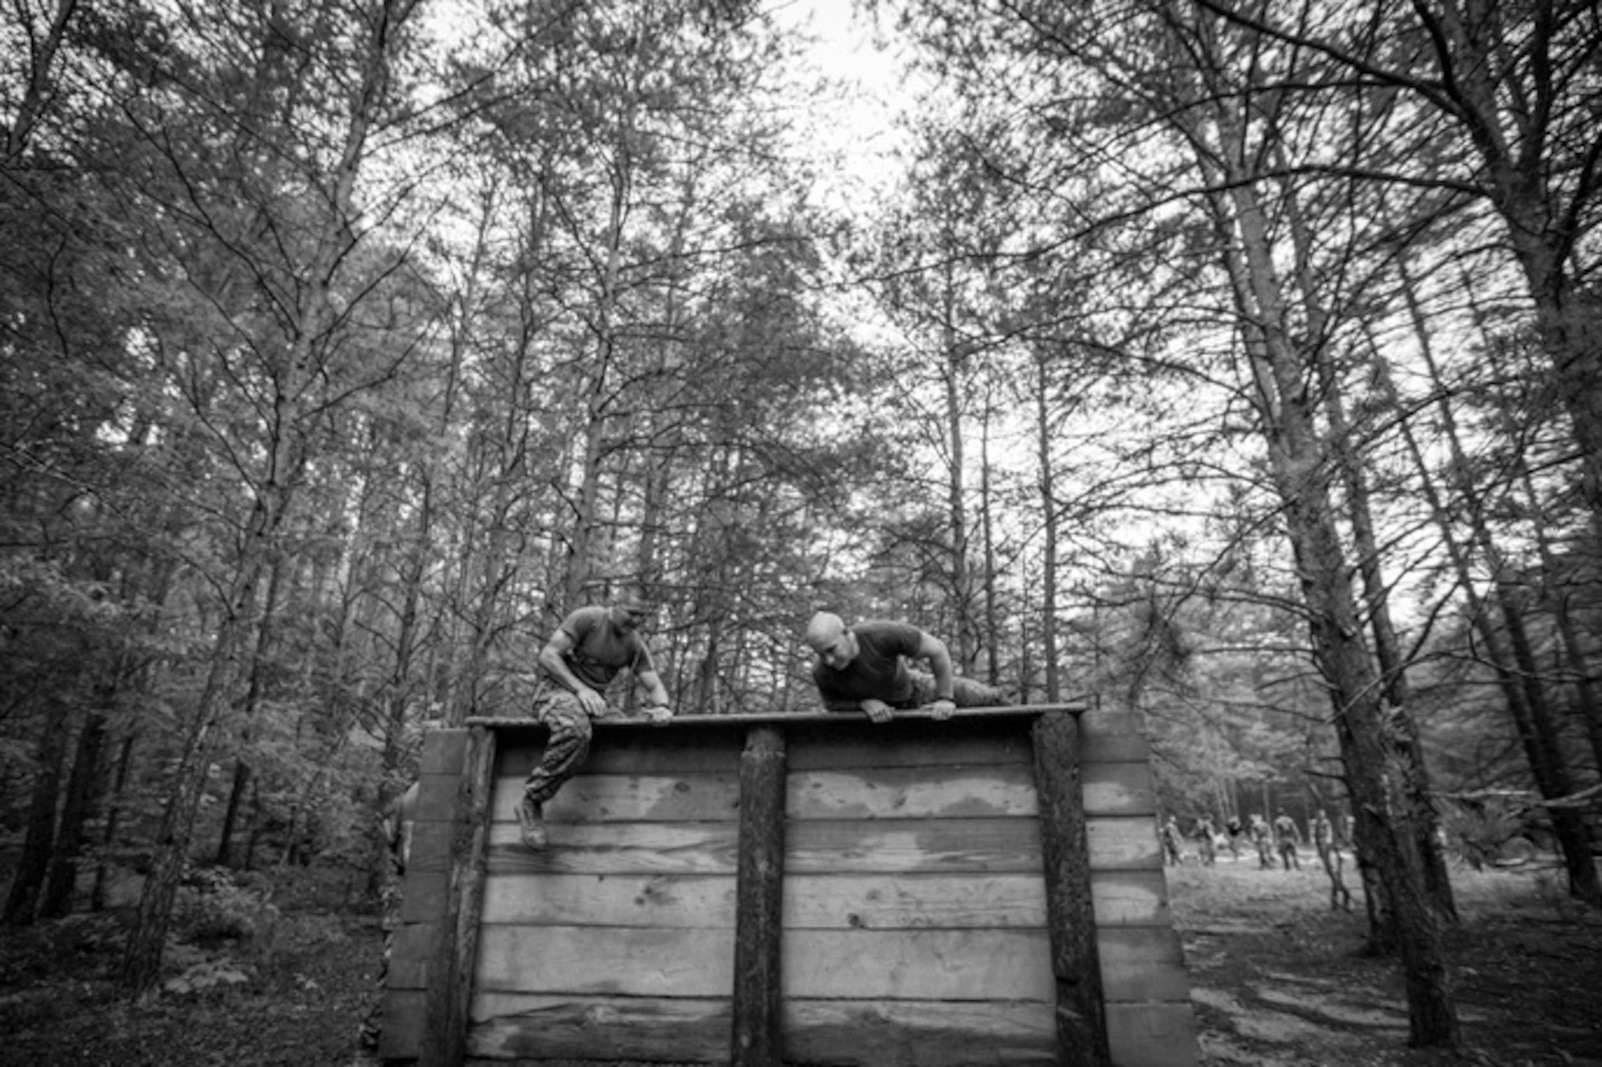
1236, 363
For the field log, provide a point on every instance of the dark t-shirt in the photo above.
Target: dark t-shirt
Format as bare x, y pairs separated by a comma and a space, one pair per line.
877, 673
600, 650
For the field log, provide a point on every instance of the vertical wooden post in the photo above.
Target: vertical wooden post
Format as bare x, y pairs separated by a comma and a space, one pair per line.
450, 977
756, 1038
1070, 913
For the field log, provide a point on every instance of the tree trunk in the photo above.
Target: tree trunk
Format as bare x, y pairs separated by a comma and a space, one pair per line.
1048, 504
22, 902
1300, 476
1376, 590
1510, 648
141, 961
82, 787
253, 697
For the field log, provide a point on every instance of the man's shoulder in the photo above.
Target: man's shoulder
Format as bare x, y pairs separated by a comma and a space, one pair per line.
888, 630
582, 620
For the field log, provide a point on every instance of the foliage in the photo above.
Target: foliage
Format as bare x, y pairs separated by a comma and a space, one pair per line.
343, 352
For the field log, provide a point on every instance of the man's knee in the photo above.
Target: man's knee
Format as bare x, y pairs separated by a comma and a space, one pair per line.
972, 694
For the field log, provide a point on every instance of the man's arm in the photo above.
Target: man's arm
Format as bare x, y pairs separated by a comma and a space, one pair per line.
553, 657
657, 708
934, 650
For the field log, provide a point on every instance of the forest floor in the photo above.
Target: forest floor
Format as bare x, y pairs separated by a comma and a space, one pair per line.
1279, 980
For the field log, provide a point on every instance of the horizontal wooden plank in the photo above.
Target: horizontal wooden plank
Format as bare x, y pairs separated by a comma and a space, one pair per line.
1099, 723
911, 901
991, 965
1112, 737
852, 846
911, 792
513, 1026
410, 954
442, 752
816, 901
658, 751
954, 899
1152, 1035
618, 848
400, 1034
1133, 898
910, 743
692, 796
744, 719
1117, 843
423, 893
919, 1034
1141, 963
436, 797
656, 900
1118, 789
611, 961
431, 848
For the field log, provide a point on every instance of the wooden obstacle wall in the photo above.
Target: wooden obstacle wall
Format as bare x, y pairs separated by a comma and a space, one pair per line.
803, 889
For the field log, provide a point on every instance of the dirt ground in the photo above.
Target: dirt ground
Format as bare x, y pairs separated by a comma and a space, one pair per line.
1279, 981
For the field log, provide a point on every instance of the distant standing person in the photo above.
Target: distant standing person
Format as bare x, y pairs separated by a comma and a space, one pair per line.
864, 668
1232, 831
1287, 836
1323, 832
1262, 837
1173, 851
587, 651
1329, 854
1205, 832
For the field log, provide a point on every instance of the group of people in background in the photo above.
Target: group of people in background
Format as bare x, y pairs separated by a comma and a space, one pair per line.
1278, 844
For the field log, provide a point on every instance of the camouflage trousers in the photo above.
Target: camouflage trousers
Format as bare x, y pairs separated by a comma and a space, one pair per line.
965, 692
566, 748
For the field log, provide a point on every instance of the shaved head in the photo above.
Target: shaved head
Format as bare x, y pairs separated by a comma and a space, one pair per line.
824, 630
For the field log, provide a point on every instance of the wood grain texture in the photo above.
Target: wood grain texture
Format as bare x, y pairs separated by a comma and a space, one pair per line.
618, 848
1130, 897
854, 742
973, 965
914, 912
686, 796
400, 1032
449, 987
914, 901
1120, 843
1070, 916
655, 900
673, 749
977, 846
754, 1039
1118, 789
516, 1026
1142, 963
944, 791
411, 955
918, 1034
1153, 1034
611, 961
442, 752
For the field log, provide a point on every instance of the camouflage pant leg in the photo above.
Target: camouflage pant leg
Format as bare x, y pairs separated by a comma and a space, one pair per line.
567, 746
965, 692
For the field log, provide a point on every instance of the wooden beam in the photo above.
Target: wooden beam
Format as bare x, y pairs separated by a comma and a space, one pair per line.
450, 979
755, 1038
1070, 913
680, 722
